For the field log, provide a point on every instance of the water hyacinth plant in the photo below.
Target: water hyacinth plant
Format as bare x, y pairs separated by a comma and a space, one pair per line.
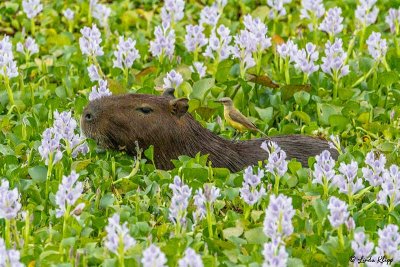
317, 68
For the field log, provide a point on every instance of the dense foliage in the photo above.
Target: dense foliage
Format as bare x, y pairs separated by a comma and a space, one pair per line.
322, 68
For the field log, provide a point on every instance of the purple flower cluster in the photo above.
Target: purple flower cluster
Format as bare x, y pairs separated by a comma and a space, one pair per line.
389, 243
338, 212
90, 41
100, 91
164, 42
100, 12
211, 193
323, 168
69, 191
9, 201
32, 8
153, 257
305, 59
63, 129
190, 259
332, 23
218, 47
334, 61
275, 254
69, 14
278, 217
29, 47
172, 80
249, 192
373, 173
9, 257
366, 12
377, 47
94, 74
393, 20
172, 11
194, 38
312, 10
361, 246
389, 195
198, 67
276, 163
8, 66
179, 201
288, 50
117, 236
125, 54
276, 8
347, 180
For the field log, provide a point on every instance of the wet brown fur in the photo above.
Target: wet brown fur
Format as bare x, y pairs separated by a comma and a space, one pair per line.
117, 122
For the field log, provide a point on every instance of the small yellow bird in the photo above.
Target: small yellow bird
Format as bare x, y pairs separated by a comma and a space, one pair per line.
236, 119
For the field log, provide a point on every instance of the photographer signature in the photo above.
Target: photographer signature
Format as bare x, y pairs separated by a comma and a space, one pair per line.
377, 259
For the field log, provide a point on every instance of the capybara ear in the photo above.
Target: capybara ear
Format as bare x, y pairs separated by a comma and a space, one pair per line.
169, 92
179, 107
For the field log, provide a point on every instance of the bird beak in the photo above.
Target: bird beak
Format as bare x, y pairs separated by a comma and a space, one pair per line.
217, 101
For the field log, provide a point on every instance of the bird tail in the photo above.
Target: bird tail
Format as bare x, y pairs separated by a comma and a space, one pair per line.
261, 132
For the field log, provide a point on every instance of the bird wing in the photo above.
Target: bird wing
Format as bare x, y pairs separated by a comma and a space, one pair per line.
240, 118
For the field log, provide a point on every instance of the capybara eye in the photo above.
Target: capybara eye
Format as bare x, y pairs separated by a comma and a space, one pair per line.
88, 117
145, 110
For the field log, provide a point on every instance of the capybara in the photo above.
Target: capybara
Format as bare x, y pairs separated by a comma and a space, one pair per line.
118, 121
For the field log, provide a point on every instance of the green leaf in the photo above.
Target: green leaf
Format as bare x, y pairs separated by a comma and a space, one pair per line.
388, 78
324, 111
265, 113
338, 122
302, 98
295, 262
223, 71
302, 116
321, 209
201, 87
289, 90
107, 200
232, 231
256, 236
38, 174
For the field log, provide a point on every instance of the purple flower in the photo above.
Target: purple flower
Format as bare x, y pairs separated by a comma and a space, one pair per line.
312, 10
332, 23
94, 74
393, 19
29, 47
211, 193
9, 201
375, 168
118, 235
32, 8
179, 201
334, 142
278, 217
377, 47
305, 59
101, 13
172, 80
288, 50
50, 146
164, 42
244, 45
69, 191
361, 246
389, 243
334, 61
249, 192
98, 92
338, 212
323, 168
347, 180
194, 38
8, 66
389, 195
218, 47
210, 15
190, 259
69, 14
277, 164
9, 257
258, 32
277, 9
172, 11
125, 54
90, 41
153, 257
275, 254
199, 68
366, 12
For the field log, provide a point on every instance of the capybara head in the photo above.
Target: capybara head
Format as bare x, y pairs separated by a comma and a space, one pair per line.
118, 121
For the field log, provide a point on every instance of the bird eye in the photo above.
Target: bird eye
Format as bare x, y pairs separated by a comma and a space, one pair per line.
145, 110
88, 117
